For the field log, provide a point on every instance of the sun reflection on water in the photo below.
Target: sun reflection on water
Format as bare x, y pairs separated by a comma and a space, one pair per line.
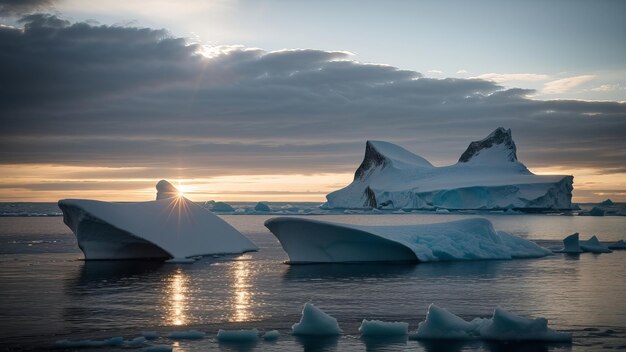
176, 298
242, 293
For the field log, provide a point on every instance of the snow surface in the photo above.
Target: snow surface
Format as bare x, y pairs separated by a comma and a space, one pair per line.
314, 241
391, 177
383, 328
238, 335
502, 326
593, 245
186, 335
172, 227
315, 322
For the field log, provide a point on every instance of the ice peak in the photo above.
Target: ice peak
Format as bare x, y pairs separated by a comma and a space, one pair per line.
379, 153
496, 146
166, 190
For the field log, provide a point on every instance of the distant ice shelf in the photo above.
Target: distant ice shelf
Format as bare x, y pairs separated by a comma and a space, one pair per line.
314, 241
171, 227
487, 176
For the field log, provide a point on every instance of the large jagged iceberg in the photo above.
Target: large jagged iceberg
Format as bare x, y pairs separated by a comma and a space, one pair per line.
170, 227
487, 176
314, 241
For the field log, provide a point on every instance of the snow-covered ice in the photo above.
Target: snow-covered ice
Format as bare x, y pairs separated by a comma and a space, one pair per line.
238, 335
593, 245
173, 227
315, 322
502, 326
383, 328
487, 176
186, 335
271, 335
314, 241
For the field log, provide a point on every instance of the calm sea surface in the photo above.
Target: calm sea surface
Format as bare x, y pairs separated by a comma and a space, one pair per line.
48, 293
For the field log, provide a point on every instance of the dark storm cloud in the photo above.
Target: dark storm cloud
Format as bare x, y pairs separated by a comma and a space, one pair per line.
18, 7
79, 94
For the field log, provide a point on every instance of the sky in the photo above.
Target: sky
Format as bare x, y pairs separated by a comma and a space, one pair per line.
274, 100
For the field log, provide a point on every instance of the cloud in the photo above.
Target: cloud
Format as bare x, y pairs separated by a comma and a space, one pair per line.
127, 97
19, 7
461, 72
566, 84
607, 88
437, 72
512, 77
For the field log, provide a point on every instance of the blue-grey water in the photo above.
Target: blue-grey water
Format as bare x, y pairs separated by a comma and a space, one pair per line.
47, 293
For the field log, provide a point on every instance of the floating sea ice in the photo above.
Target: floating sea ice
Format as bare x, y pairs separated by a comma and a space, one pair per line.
506, 326
136, 342
222, 207
186, 335
441, 324
593, 245
570, 245
262, 206
271, 335
619, 245
237, 335
114, 341
383, 328
315, 322
442, 211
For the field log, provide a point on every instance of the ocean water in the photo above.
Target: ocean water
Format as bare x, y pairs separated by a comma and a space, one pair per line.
47, 293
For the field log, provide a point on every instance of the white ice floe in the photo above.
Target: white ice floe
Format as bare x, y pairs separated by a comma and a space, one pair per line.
315, 322
238, 335
314, 241
619, 245
502, 326
383, 328
487, 176
166, 228
186, 335
593, 245
271, 335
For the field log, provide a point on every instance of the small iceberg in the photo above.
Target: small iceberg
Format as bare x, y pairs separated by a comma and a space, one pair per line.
238, 335
171, 227
593, 245
440, 324
619, 245
222, 207
271, 335
314, 241
571, 245
262, 207
315, 322
383, 328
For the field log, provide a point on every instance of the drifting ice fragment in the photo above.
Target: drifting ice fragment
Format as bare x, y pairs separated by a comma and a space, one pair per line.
237, 335
571, 245
592, 245
271, 335
619, 245
383, 328
222, 207
261, 206
441, 324
315, 322
506, 326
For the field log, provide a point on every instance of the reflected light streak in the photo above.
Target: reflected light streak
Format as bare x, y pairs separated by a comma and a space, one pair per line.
176, 298
242, 294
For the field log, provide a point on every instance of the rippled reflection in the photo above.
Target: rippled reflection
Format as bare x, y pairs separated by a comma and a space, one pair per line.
242, 292
176, 298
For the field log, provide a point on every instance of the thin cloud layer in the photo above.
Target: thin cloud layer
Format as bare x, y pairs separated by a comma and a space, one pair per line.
79, 94
19, 7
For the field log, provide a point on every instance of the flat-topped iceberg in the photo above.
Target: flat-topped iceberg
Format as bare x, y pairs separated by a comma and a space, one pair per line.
171, 227
314, 241
487, 176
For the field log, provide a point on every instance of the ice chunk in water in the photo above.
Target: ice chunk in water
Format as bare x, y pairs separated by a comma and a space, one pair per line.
383, 328
315, 322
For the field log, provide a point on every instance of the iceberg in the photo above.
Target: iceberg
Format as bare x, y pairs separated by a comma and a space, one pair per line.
166, 228
571, 244
488, 175
315, 322
593, 245
262, 207
314, 241
619, 245
383, 328
440, 324
271, 335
